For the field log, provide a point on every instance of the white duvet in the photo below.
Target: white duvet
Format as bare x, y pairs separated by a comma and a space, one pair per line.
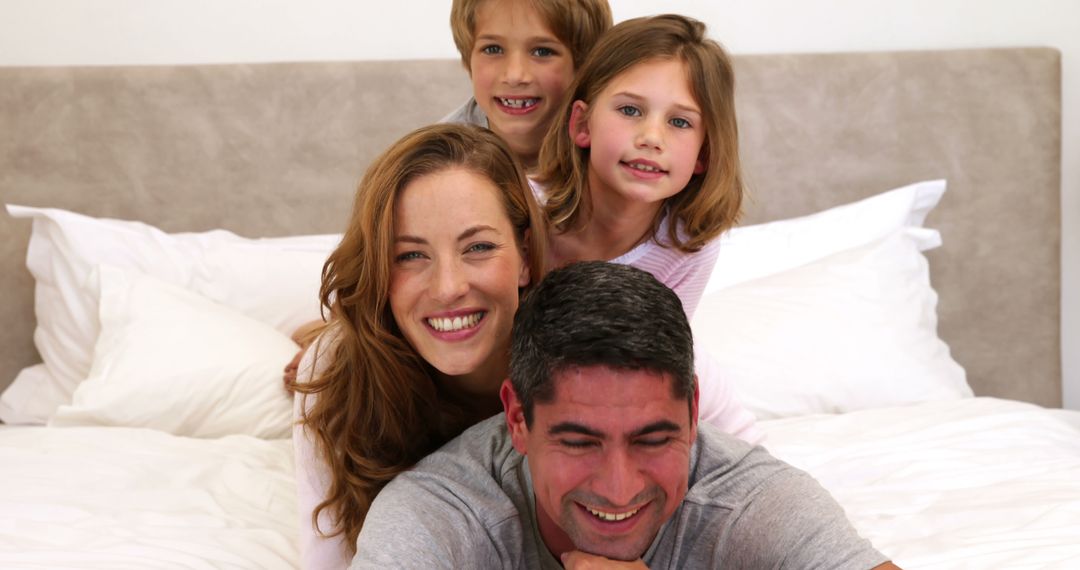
978, 483
115, 498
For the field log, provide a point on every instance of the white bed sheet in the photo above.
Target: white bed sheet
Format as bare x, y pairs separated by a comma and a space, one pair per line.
115, 498
976, 483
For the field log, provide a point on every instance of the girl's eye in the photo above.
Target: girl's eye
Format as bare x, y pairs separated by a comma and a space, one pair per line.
680, 123
544, 52
408, 256
630, 111
491, 50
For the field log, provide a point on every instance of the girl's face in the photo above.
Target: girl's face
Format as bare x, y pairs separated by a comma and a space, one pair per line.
455, 276
644, 131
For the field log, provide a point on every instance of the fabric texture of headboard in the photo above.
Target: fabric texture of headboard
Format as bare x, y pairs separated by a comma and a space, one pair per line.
277, 149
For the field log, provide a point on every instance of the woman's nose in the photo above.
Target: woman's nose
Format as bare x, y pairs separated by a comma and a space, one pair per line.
449, 282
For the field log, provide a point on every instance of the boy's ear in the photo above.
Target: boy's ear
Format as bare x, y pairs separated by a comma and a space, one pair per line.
579, 125
515, 417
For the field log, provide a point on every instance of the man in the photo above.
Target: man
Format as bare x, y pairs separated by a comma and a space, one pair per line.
599, 460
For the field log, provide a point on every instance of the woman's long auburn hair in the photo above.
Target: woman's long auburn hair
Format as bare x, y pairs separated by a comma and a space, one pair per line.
378, 410
711, 202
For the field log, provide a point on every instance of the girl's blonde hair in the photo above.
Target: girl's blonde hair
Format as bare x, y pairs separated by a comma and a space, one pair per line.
378, 409
711, 202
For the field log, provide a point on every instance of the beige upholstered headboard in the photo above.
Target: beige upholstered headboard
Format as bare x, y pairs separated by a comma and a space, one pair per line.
276, 149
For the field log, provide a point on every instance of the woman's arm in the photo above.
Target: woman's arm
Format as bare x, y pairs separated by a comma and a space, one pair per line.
313, 480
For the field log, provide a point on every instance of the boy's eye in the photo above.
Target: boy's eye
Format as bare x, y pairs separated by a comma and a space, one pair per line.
680, 123
544, 52
630, 111
491, 50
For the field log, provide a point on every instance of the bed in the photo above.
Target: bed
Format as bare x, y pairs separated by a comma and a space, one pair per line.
889, 307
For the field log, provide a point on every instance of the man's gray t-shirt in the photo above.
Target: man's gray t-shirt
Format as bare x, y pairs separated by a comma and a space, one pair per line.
470, 505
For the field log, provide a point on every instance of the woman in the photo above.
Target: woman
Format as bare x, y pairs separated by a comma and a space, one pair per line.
420, 296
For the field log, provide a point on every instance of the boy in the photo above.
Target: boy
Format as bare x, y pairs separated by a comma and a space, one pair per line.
521, 56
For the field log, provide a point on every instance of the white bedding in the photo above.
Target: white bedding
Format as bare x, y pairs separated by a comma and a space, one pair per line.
976, 483
113, 498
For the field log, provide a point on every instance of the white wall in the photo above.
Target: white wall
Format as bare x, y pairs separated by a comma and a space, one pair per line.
67, 32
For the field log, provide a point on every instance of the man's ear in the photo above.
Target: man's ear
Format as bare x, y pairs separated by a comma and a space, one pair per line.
515, 417
579, 124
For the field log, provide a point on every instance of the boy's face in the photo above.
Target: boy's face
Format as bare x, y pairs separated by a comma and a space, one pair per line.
520, 71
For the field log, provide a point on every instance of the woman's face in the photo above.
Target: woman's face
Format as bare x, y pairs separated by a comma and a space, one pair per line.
455, 276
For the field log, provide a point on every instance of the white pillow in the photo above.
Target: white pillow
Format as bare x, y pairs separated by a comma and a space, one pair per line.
749, 252
856, 329
174, 361
274, 280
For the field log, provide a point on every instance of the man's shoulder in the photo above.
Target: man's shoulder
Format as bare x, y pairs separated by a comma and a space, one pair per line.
727, 471
749, 507
458, 507
474, 472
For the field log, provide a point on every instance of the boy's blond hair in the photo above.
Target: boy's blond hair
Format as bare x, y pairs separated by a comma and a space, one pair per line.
711, 202
576, 23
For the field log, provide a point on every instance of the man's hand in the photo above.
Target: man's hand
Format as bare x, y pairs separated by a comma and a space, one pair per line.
578, 560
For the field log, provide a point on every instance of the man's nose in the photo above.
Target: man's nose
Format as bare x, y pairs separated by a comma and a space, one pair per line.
620, 480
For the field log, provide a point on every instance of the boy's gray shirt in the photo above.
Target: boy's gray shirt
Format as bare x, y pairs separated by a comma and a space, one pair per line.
468, 114
470, 505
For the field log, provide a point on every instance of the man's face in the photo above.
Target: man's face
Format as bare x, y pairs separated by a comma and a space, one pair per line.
609, 458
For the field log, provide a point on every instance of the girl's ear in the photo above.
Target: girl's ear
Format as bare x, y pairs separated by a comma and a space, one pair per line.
579, 125
702, 162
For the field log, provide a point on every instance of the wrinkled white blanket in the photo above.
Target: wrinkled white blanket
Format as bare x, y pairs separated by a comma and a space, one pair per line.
977, 483
115, 498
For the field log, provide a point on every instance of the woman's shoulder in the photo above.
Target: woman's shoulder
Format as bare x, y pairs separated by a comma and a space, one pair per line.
319, 353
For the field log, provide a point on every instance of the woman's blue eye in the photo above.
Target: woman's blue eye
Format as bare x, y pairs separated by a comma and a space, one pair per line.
680, 123
408, 256
630, 111
480, 247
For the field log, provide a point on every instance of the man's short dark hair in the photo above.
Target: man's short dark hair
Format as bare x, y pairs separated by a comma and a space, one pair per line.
597, 313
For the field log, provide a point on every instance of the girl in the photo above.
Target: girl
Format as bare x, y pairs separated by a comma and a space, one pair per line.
642, 164
642, 167
421, 294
